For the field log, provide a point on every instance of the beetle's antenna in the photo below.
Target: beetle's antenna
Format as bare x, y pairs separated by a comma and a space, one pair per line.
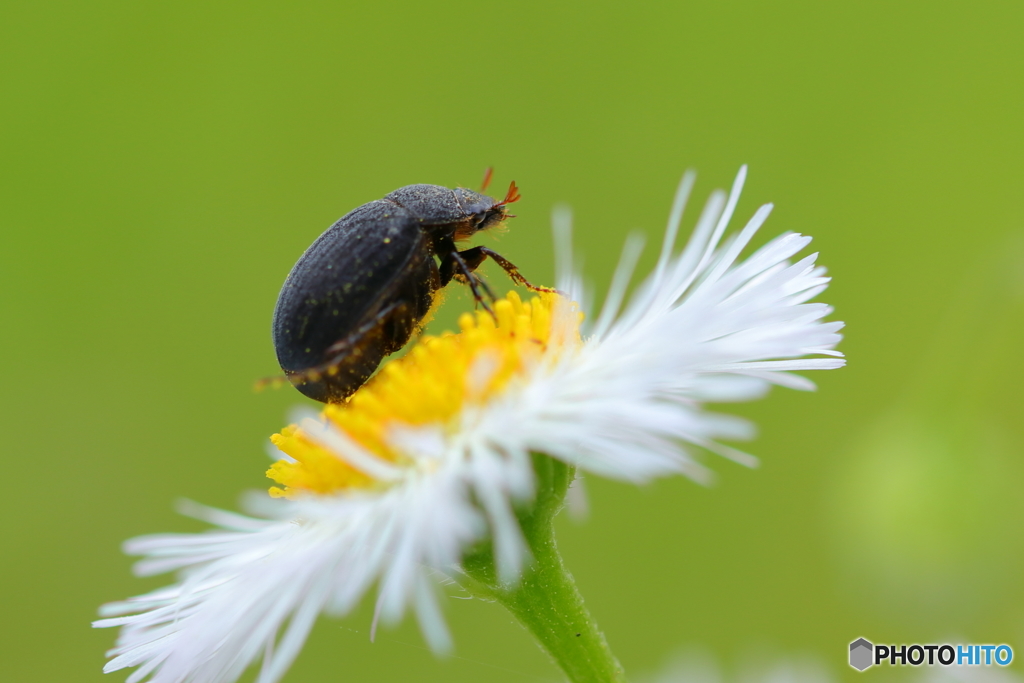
512, 196
487, 179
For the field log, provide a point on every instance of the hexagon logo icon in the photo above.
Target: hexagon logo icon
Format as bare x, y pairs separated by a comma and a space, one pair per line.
861, 652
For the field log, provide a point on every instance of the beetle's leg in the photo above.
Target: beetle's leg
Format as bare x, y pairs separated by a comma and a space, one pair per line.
475, 282
336, 352
340, 347
346, 347
469, 266
482, 283
447, 269
478, 254
454, 265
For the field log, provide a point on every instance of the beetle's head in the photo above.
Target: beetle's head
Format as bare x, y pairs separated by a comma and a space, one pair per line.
484, 211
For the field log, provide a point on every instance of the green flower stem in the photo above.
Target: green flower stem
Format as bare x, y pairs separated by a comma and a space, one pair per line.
545, 599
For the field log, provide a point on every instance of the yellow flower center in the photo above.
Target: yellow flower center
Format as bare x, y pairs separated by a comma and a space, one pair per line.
432, 385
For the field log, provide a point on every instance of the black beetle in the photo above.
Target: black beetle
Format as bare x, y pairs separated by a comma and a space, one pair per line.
363, 288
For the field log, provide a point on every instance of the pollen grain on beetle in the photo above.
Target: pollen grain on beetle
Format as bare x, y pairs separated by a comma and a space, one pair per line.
488, 354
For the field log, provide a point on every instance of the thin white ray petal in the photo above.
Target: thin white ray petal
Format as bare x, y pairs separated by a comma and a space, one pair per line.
687, 262
338, 442
431, 620
723, 221
674, 218
620, 282
566, 277
729, 256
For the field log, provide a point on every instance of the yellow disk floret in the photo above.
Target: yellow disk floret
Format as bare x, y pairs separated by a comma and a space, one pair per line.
431, 385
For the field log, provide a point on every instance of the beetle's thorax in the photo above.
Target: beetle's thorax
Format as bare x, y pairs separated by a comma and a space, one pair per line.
447, 215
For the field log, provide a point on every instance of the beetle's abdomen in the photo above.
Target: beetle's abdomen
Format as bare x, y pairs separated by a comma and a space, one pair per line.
356, 295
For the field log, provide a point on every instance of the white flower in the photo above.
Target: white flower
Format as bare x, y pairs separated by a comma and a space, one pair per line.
431, 455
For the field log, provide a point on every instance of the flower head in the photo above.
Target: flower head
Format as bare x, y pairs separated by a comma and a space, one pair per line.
434, 454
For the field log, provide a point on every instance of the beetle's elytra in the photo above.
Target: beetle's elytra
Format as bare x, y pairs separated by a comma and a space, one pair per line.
365, 285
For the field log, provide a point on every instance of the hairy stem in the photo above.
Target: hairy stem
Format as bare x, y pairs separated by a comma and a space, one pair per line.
545, 600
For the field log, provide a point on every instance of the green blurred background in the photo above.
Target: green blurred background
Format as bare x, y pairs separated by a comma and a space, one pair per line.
163, 165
